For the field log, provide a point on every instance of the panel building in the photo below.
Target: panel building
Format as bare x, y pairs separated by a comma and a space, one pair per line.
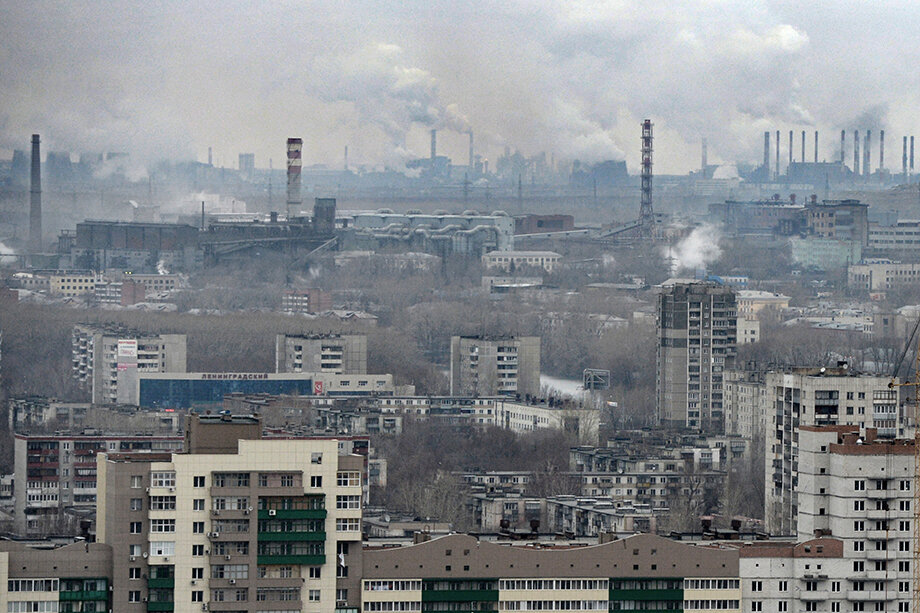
55, 475
342, 354
697, 341
495, 365
236, 523
816, 397
109, 360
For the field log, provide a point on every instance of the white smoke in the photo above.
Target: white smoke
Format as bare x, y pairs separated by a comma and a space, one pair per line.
6, 260
161, 268
697, 250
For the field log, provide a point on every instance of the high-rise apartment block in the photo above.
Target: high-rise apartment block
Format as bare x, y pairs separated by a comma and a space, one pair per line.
495, 365
816, 397
236, 523
109, 359
697, 341
342, 354
55, 475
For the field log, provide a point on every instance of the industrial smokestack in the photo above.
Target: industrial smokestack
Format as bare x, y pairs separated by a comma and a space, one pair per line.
294, 164
867, 161
911, 155
803, 146
766, 152
472, 159
346, 158
35, 198
904, 157
776, 171
791, 145
881, 151
856, 152
816, 146
434, 144
210, 157
843, 147
704, 161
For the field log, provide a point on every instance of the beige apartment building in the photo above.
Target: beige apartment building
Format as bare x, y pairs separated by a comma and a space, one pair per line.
495, 365
236, 523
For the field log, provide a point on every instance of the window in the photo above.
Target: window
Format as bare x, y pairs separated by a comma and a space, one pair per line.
162, 503
783, 586
859, 525
903, 545
756, 586
348, 524
313, 596
198, 596
782, 606
859, 546
198, 504
198, 481
287, 480
137, 482
348, 479
835, 607
316, 457
315, 572
231, 480
134, 550
904, 566
137, 504
134, 596
811, 606
197, 550
263, 480
905, 485
198, 527
163, 479
198, 573
162, 548
348, 502
859, 485
903, 586
316, 481
835, 586
136, 527
162, 525
756, 605
241, 594
859, 505
904, 525
859, 566
134, 572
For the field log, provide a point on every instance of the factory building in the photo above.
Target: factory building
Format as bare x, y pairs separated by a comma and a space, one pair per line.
109, 360
100, 245
341, 354
697, 341
491, 366
236, 523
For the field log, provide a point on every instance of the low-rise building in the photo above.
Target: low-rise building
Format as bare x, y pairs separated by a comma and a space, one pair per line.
882, 275
515, 260
310, 300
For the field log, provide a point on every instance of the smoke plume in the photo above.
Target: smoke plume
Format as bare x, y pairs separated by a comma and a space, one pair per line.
696, 251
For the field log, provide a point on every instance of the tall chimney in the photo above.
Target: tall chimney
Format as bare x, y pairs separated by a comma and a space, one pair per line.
856, 152
294, 164
346, 157
776, 171
35, 198
904, 157
867, 170
472, 159
434, 144
816, 146
791, 145
704, 158
210, 157
803, 147
843, 147
911, 155
766, 152
881, 152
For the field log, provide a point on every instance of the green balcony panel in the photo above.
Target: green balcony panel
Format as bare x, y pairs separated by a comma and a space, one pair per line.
292, 514
292, 536
647, 595
459, 595
80, 596
305, 560
168, 583
161, 606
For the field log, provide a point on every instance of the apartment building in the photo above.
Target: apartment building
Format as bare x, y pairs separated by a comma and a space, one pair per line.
237, 523
342, 354
109, 360
697, 341
515, 260
745, 403
72, 283
461, 573
816, 397
882, 275
73, 577
305, 301
55, 480
495, 365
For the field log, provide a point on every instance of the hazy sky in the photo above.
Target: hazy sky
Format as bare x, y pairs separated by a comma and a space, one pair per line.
569, 78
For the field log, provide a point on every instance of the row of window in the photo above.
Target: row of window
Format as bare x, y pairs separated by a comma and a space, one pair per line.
711, 584
553, 605
553, 584
168, 478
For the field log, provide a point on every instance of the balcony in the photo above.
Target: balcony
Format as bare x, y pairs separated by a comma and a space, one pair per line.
292, 513
885, 554
878, 514
814, 595
880, 535
881, 494
292, 536
293, 559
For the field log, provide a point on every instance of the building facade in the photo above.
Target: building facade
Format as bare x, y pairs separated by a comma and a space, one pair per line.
55, 475
342, 354
109, 360
882, 275
310, 300
816, 397
234, 525
515, 260
697, 341
491, 366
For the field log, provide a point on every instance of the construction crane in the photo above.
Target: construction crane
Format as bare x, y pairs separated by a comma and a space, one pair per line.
913, 382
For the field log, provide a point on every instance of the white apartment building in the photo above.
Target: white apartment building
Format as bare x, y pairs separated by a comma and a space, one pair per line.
816, 397
109, 360
882, 275
343, 354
